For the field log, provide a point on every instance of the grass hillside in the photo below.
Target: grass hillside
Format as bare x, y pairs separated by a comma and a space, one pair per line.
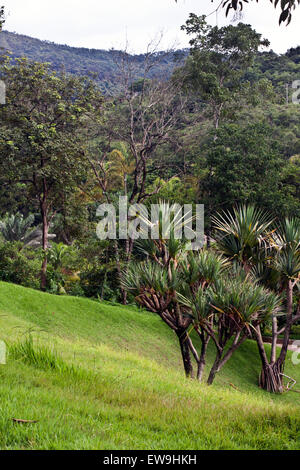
99, 376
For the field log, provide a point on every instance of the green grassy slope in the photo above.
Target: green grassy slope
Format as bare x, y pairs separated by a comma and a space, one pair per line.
126, 389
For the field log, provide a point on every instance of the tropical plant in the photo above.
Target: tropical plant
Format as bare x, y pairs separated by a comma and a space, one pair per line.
154, 288
199, 272
285, 260
249, 238
241, 306
57, 253
16, 228
241, 234
154, 284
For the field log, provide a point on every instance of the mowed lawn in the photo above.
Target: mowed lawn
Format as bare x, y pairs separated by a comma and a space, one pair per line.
101, 376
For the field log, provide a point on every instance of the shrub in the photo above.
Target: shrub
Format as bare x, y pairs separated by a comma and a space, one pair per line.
20, 266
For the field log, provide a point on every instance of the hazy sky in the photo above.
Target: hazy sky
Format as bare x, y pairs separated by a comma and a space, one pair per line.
103, 24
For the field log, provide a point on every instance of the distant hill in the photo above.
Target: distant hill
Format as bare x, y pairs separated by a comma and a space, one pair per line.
80, 60
279, 69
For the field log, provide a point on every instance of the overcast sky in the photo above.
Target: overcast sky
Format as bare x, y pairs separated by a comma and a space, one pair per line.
103, 24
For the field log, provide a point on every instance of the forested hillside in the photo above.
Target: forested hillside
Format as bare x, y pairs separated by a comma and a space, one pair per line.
279, 69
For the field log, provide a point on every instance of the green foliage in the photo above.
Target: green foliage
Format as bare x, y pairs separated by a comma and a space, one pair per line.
286, 241
242, 165
242, 233
15, 228
244, 303
287, 7
40, 356
57, 254
19, 265
217, 61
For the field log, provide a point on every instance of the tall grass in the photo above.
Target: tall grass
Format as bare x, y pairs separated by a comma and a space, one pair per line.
42, 357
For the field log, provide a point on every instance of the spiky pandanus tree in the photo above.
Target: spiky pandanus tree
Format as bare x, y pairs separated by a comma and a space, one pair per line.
249, 238
198, 272
242, 235
285, 260
241, 306
155, 289
155, 282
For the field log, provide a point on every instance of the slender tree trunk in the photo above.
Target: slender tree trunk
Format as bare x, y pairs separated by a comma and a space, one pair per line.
202, 362
289, 322
215, 368
274, 339
221, 359
45, 232
185, 352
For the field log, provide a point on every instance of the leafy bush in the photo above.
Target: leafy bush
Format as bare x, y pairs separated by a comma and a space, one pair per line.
296, 331
74, 288
100, 282
20, 266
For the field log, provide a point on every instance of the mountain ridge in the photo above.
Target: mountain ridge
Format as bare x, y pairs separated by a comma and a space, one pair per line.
99, 62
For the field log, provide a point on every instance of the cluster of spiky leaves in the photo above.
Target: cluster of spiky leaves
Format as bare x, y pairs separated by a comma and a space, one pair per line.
286, 244
166, 224
243, 303
16, 228
242, 233
203, 288
254, 241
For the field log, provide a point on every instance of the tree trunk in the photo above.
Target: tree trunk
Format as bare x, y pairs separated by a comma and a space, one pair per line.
289, 322
202, 362
45, 232
274, 339
185, 352
270, 378
215, 368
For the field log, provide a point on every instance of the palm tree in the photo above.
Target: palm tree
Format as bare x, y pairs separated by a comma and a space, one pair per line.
155, 283
57, 254
199, 271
